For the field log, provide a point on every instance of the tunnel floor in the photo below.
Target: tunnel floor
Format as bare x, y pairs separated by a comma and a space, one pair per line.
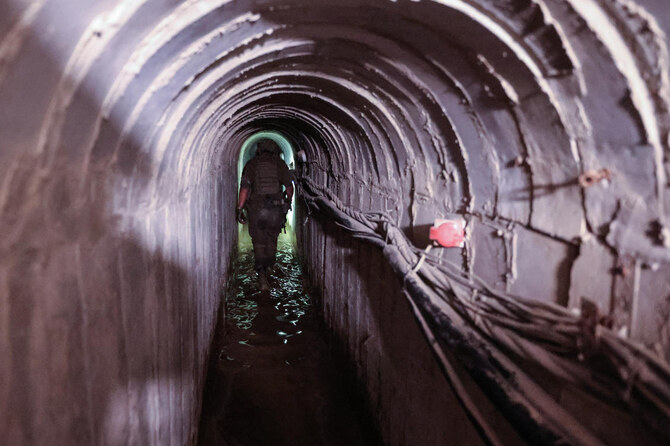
272, 378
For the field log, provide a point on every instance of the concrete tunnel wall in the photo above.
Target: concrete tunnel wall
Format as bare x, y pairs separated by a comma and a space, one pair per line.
121, 123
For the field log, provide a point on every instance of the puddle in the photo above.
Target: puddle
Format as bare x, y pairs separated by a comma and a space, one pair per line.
272, 379
287, 292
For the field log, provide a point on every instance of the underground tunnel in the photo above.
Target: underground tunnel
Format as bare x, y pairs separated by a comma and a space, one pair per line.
540, 126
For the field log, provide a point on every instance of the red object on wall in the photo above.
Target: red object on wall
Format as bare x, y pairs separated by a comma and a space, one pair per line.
448, 233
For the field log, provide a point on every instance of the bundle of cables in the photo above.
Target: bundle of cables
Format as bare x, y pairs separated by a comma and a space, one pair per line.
490, 333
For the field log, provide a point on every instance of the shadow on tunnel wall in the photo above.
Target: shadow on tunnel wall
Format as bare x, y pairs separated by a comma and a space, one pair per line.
106, 315
372, 327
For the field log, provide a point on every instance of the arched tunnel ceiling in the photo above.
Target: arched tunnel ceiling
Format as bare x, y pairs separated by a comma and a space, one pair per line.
431, 101
125, 119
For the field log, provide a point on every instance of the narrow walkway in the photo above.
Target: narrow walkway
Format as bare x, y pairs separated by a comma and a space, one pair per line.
272, 380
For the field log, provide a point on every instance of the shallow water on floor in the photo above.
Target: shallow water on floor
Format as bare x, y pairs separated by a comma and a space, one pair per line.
272, 379
287, 291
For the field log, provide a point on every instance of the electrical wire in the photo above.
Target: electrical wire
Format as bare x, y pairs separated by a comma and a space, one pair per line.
450, 302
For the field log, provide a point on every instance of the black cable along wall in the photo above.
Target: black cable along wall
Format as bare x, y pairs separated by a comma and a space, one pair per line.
120, 124
517, 349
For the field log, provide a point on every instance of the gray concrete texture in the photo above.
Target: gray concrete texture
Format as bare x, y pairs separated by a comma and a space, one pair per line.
121, 123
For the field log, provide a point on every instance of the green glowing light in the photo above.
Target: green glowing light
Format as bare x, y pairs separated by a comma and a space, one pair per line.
247, 152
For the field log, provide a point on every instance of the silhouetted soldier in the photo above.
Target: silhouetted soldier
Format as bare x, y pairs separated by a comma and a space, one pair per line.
266, 191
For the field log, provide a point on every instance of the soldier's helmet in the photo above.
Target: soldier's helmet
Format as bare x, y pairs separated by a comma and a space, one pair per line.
268, 146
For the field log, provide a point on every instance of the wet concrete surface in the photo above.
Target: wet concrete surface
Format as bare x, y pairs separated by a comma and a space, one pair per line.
272, 379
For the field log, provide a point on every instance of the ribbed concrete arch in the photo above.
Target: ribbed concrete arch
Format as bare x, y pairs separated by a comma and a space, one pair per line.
121, 126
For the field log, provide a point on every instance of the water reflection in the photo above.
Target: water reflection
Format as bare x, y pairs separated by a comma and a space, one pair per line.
287, 292
272, 380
